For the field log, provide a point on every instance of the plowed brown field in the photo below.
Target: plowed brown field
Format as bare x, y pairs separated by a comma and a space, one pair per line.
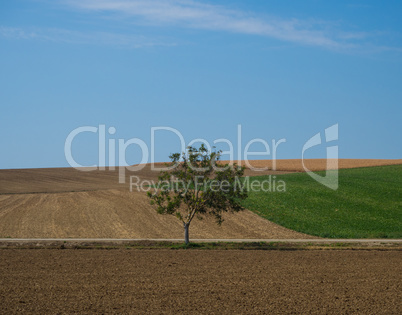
116, 214
64, 202
296, 165
44, 281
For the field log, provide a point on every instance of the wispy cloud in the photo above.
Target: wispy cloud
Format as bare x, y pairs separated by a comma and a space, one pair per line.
198, 15
77, 37
195, 14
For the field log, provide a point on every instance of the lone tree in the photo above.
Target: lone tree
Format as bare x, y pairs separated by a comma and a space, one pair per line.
195, 185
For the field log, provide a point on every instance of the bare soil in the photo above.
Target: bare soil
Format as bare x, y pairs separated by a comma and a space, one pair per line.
46, 281
50, 180
65, 202
117, 214
296, 165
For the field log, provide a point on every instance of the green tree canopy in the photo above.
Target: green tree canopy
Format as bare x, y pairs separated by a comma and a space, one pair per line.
196, 184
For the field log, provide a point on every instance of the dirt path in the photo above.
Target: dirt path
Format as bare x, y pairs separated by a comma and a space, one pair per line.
105, 241
227, 282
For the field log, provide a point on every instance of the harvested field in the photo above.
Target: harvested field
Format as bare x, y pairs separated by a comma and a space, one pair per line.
296, 165
117, 214
69, 179
52, 180
64, 202
199, 281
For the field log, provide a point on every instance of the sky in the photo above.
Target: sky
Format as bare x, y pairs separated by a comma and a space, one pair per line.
279, 69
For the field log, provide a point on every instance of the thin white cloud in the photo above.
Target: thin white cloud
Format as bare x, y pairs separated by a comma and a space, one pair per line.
77, 37
198, 15
194, 14
15, 33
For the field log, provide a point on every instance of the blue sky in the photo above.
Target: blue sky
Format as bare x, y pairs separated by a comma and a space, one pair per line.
281, 69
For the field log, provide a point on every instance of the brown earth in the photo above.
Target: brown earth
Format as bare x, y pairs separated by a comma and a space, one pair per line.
117, 214
296, 165
48, 180
45, 281
65, 202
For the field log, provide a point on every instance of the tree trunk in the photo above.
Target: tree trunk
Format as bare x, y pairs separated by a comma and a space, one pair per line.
186, 236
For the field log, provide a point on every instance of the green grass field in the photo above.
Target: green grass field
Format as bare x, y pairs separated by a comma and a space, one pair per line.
367, 204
